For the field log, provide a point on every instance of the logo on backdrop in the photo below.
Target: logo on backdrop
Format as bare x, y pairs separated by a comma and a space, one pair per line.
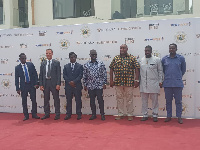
66, 32
5, 83
42, 33
156, 53
154, 39
198, 36
42, 57
6, 74
64, 44
85, 31
22, 45
41, 45
129, 40
4, 60
181, 24
180, 37
153, 26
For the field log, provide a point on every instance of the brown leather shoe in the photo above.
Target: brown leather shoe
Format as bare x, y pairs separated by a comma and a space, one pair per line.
180, 120
144, 119
119, 117
130, 118
168, 119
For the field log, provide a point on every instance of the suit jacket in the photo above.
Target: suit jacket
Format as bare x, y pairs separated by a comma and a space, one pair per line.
75, 76
19, 74
55, 73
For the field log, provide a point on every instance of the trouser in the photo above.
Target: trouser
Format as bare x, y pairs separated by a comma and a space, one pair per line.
175, 92
124, 94
99, 94
69, 95
24, 93
154, 98
56, 98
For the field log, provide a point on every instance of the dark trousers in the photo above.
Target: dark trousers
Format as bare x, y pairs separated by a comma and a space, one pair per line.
175, 92
24, 94
99, 94
56, 98
69, 95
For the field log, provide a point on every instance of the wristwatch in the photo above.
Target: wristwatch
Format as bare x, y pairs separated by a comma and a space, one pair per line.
137, 80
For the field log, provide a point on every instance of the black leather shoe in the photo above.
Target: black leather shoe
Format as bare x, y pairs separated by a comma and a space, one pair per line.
67, 117
168, 119
103, 117
155, 119
79, 117
57, 117
144, 119
93, 117
35, 116
25, 118
45, 117
180, 120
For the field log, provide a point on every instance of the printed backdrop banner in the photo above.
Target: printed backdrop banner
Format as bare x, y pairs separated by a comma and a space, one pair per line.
106, 38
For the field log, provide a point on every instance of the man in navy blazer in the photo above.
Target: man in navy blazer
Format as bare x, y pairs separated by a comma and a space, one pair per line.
28, 83
72, 74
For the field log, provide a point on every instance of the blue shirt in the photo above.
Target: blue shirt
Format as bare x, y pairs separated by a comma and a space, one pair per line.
174, 69
94, 75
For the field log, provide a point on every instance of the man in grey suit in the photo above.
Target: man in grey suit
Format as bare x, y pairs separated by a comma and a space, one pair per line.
50, 80
72, 74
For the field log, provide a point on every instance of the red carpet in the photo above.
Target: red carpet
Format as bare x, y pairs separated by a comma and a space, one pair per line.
85, 134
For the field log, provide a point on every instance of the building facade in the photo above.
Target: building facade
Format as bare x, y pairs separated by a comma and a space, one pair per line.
34, 13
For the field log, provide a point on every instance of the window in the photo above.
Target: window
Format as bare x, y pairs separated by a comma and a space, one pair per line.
1, 11
128, 9
23, 13
167, 7
72, 8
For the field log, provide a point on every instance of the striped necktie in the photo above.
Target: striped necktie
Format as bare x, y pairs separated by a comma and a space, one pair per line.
26, 74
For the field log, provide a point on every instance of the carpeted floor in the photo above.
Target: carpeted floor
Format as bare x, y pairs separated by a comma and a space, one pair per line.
85, 134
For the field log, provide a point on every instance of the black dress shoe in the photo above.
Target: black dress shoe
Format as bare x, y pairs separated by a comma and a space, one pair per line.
25, 118
45, 117
79, 117
180, 120
168, 119
93, 117
35, 116
67, 117
155, 119
144, 119
103, 117
57, 117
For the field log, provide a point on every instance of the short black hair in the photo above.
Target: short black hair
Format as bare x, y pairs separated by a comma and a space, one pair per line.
72, 53
21, 55
148, 46
174, 45
49, 49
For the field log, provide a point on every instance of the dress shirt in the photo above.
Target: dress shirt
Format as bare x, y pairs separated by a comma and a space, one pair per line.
24, 71
94, 75
47, 65
174, 69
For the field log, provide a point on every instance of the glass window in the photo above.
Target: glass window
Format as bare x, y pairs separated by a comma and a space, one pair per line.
167, 7
72, 8
1, 11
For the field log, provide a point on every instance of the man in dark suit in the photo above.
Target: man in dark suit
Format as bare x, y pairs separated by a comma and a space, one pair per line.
28, 83
50, 80
72, 74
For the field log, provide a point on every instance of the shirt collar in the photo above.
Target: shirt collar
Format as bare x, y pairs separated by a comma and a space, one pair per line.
174, 56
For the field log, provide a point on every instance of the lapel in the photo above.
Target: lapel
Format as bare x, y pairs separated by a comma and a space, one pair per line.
52, 64
44, 66
20, 69
75, 66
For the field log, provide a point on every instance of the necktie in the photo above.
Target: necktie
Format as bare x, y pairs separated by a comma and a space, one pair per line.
26, 74
72, 66
49, 70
